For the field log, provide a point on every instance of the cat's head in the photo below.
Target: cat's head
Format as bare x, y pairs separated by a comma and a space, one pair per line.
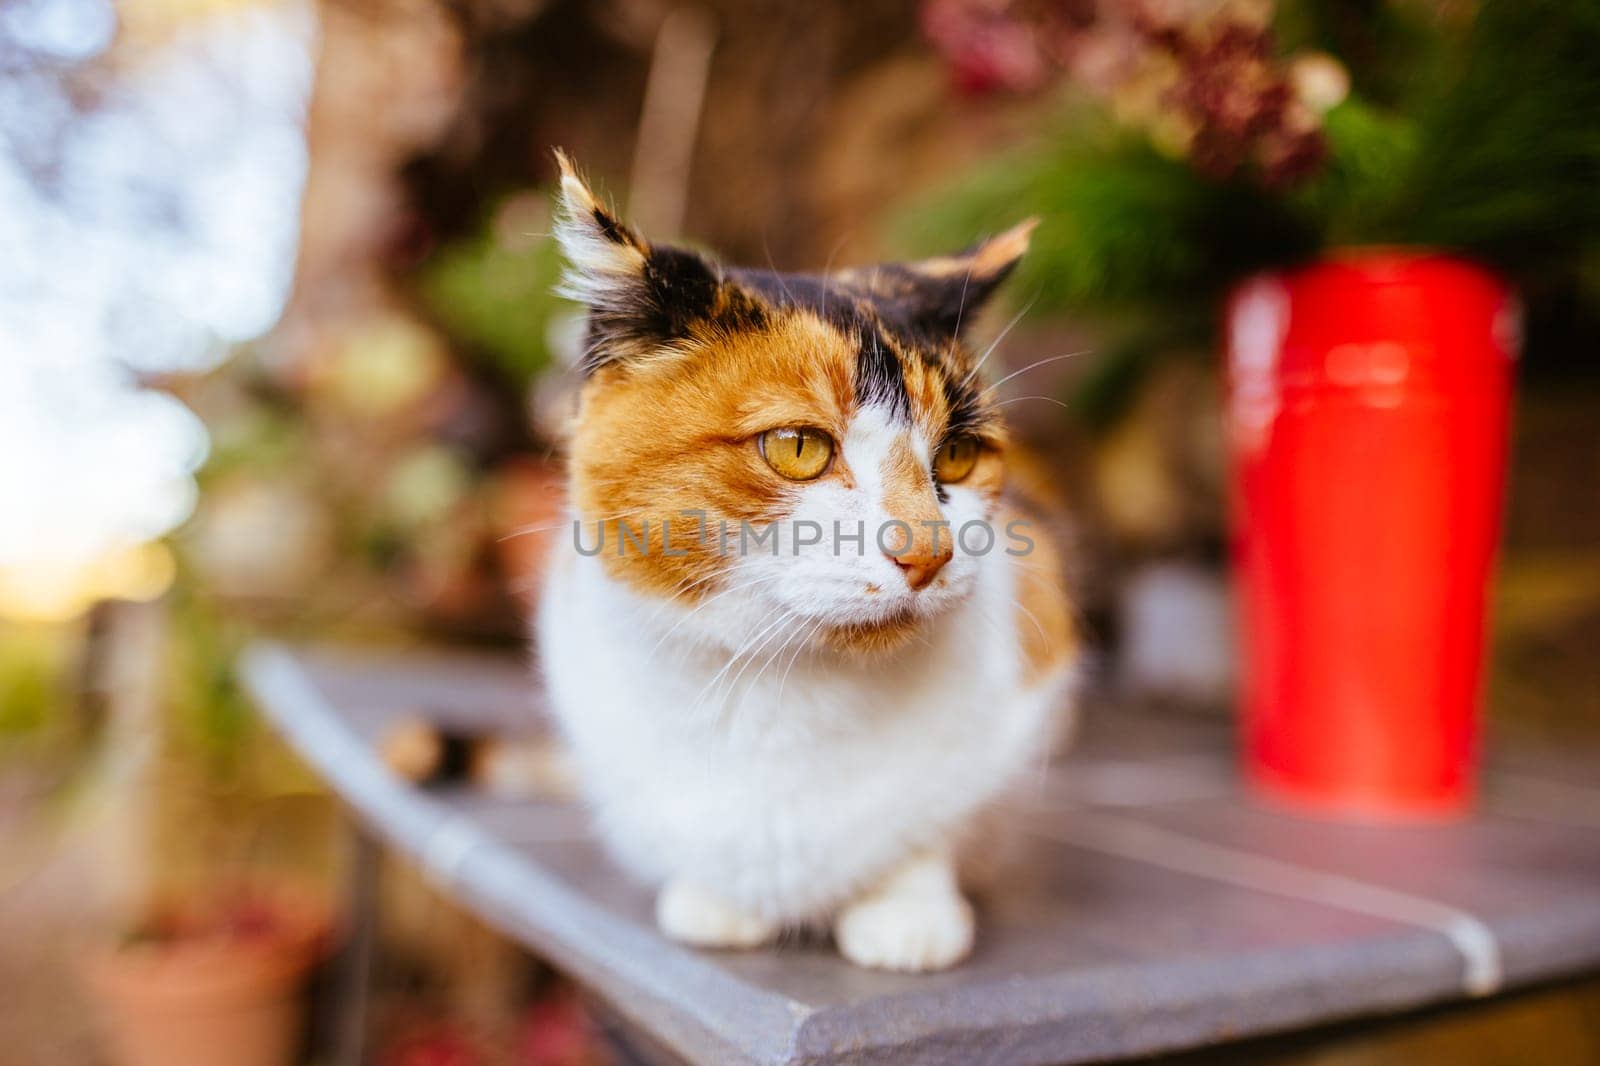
803, 450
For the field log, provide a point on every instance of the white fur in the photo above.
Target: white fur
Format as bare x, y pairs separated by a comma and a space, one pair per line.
770, 781
915, 919
601, 273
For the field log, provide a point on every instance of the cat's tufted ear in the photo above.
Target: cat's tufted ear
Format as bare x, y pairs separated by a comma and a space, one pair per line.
641, 298
940, 297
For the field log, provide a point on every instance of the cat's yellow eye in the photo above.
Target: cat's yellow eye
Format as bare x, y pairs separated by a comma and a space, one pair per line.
956, 459
799, 453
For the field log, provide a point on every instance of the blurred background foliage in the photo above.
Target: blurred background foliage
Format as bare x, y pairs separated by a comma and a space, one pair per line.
1207, 150
494, 290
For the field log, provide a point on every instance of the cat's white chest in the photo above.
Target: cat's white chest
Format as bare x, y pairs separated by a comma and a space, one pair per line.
784, 781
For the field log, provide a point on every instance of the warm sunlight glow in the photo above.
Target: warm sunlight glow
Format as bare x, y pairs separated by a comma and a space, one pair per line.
160, 214
51, 591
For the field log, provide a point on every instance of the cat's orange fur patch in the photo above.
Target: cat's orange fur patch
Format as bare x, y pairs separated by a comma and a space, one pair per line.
676, 434
1044, 626
908, 496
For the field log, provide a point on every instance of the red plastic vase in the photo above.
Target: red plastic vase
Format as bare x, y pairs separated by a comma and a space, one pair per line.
1368, 405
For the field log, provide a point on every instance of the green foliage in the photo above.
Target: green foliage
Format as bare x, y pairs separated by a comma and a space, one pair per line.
255, 438
1508, 154
1392, 48
1479, 134
34, 659
497, 299
1495, 152
1110, 385
1124, 226
1371, 155
210, 715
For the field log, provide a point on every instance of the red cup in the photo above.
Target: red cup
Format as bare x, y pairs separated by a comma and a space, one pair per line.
1369, 397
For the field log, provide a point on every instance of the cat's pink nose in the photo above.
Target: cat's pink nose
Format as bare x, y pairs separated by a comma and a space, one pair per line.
921, 567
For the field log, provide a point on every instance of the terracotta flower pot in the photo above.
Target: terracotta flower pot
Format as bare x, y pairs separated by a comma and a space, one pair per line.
208, 995
1369, 398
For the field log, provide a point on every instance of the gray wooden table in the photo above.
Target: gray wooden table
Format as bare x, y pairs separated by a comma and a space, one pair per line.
1157, 908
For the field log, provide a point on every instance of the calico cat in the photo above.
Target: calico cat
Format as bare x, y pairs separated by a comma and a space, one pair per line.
790, 670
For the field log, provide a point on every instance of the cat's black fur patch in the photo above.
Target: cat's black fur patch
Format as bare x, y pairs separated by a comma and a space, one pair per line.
965, 399
809, 291
609, 226
885, 312
879, 377
923, 313
682, 288
676, 289
931, 310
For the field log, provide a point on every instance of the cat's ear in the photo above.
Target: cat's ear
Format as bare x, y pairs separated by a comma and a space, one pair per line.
640, 297
942, 296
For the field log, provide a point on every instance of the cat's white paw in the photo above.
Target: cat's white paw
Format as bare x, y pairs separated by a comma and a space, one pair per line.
914, 934
688, 913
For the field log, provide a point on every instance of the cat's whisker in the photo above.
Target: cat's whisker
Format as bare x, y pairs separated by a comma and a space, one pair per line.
838, 245
523, 531
528, 531
738, 586
689, 585
670, 601
782, 614
1032, 618
801, 647
1019, 399
1020, 561
988, 351
1035, 366
777, 631
961, 302
766, 250
772, 618
993, 623
827, 272
761, 579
